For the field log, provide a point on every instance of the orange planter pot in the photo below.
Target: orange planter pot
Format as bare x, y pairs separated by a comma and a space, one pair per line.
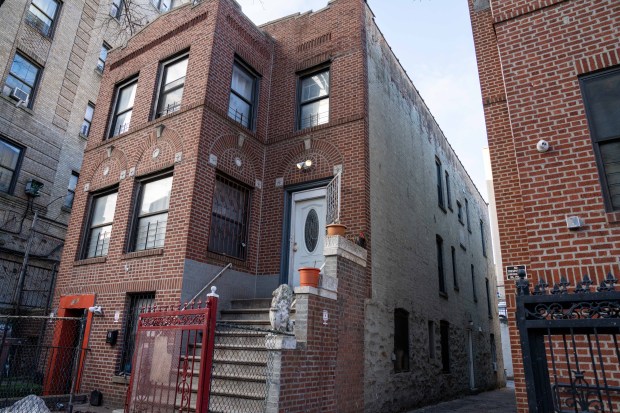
336, 229
309, 276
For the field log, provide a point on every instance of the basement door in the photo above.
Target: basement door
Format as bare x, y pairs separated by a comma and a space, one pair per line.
308, 209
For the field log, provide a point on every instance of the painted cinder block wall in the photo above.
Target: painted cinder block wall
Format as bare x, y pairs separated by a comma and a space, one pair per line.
530, 56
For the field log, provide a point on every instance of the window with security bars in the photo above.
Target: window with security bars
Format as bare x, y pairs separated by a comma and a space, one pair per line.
41, 15
229, 218
601, 97
314, 99
135, 304
172, 84
100, 224
123, 107
242, 103
152, 215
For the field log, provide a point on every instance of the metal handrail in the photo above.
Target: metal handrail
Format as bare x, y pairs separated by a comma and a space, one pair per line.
207, 285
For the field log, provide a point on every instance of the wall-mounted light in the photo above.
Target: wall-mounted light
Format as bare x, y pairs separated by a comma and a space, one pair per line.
304, 164
33, 187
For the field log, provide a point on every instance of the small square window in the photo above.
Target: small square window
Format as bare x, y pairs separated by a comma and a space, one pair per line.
42, 15
10, 161
88, 119
172, 85
123, 107
100, 220
243, 90
73, 180
22, 80
314, 99
152, 213
229, 218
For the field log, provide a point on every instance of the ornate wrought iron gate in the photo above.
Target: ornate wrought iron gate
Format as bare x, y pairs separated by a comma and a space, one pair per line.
172, 359
569, 342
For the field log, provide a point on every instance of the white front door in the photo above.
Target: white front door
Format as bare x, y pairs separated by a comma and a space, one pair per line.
307, 235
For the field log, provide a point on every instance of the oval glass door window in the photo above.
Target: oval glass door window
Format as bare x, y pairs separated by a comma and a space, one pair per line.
311, 230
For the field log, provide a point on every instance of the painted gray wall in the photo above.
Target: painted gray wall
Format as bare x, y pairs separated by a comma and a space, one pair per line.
404, 141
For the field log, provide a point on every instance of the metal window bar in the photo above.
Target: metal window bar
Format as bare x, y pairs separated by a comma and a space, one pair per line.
239, 117
37, 288
170, 108
229, 218
42, 26
315, 120
333, 199
151, 235
135, 304
102, 245
121, 129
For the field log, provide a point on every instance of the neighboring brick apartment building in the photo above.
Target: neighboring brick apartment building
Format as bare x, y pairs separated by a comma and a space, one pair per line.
550, 70
52, 55
213, 143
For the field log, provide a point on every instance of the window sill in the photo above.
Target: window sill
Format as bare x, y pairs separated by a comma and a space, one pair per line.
225, 259
120, 379
461, 222
450, 208
88, 261
457, 289
463, 247
65, 209
443, 294
14, 102
99, 72
143, 253
443, 208
81, 135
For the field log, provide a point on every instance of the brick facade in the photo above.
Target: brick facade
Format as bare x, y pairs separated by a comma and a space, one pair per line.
200, 141
530, 56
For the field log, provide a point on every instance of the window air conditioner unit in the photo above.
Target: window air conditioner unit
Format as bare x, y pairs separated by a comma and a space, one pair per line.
20, 95
33, 187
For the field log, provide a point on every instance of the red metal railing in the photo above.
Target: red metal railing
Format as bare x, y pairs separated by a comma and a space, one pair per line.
173, 359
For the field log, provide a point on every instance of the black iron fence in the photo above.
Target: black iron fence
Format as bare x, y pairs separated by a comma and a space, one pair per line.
37, 286
40, 356
569, 340
243, 361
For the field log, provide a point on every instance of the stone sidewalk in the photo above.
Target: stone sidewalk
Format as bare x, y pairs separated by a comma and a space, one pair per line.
497, 401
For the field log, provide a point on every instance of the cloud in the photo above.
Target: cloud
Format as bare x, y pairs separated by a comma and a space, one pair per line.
262, 11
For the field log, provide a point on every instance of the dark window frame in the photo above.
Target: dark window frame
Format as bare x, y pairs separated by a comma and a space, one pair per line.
467, 215
444, 333
88, 227
401, 341
489, 307
454, 273
483, 239
70, 197
87, 122
134, 231
18, 165
448, 193
35, 85
432, 350
598, 141
101, 62
440, 198
441, 273
242, 249
117, 6
459, 208
54, 18
133, 304
326, 67
113, 115
253, 104
163, 67
473, 283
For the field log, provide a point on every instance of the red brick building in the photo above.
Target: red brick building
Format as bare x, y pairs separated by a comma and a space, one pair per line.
213, 143
549, 71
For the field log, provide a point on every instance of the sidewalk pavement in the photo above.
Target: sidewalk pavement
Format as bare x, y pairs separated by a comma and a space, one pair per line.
496, 401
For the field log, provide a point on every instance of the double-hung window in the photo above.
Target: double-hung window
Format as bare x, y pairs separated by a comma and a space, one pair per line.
243, 90
123, 107
162, 5
22, 79
10, 160
116, 9
100, 224
152, 214
601, 97
440, 268
171, 87
88, 119
73, 180
42, 14
229, 218
103, 56
314, 99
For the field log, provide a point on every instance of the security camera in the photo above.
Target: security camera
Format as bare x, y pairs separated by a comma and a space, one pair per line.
542, 146
96, 310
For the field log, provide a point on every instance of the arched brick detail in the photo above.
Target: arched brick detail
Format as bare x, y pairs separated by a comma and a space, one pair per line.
227, 150
167, 146
112, 165
324, 157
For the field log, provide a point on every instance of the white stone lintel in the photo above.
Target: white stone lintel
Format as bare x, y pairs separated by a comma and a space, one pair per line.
335, 245
321, 292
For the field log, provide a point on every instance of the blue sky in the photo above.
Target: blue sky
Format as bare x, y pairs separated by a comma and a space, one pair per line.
433, 41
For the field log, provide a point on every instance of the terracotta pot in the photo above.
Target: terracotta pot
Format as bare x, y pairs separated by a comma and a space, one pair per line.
309, 276
336, 229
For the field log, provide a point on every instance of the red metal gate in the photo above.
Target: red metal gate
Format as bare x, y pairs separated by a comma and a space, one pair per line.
172, 359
